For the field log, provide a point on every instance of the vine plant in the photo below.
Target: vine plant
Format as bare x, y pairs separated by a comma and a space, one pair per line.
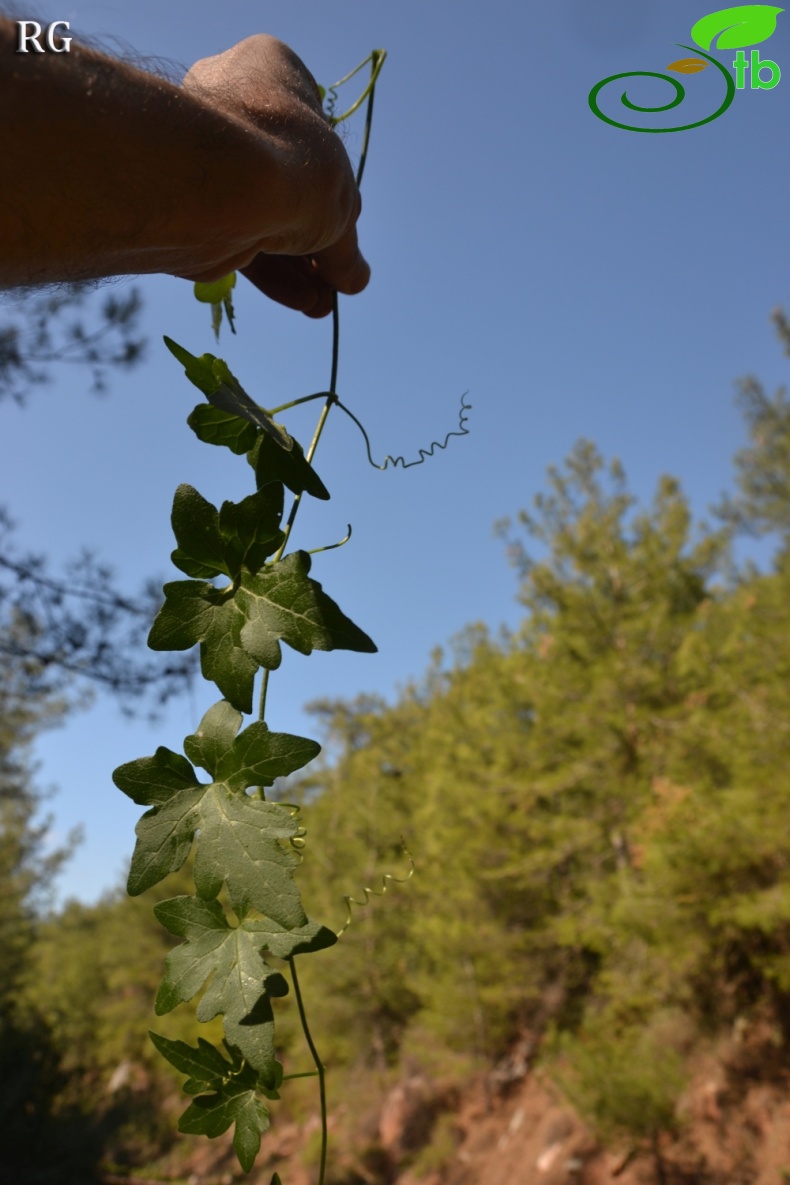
242, 841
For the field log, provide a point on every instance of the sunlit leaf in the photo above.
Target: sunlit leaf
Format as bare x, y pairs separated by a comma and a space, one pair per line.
217, 290
240, 840
241, 982
240, 628
270, 462
213, 377
218, 294
215, 426
240, 535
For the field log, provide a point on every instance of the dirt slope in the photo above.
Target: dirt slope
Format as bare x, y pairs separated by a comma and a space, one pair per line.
515, 1129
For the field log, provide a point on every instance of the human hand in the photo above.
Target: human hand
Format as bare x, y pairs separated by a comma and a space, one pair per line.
297, 240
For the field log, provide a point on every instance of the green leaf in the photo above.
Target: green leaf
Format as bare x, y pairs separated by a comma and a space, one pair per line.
211, 1115
241, 981
251, 528
205, 1065
240, 843
254, 757
216, 291
212, 425
241, 840
240, 628
151, 780
282, 602
746, 24
218, 295
213, 377
240, 534
195, 524
251, 1121
302, 940
195, 612
197, 370
292, 469
270, 462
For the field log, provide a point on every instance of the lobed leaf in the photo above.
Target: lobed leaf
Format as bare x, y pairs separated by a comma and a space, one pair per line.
241, 840
151, 780
242, 534
240, 628
282, 602
301, 940
241, 982
205, 1066
251, 1121
195, 525
211, 1115
213, 377
251, 528
270, 462
254, 757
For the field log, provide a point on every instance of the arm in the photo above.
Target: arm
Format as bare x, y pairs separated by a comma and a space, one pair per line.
111, 171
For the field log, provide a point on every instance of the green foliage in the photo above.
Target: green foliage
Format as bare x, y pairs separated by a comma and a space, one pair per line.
240, 839
625, 1082
240, 627
212, 376
597, 807
232, 1100
242, 983
243, 844
762, 504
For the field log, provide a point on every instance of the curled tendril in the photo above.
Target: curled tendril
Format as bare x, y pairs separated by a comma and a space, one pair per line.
330, 96
680, 95
330, 546
386, 879
424, 453
330, 102
297, 841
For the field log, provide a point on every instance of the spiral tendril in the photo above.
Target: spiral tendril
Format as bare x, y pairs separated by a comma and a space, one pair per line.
387, 878
331, 101
424, 453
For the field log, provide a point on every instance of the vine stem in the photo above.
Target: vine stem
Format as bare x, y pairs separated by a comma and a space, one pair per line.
377, 60
331, 398
319, 1065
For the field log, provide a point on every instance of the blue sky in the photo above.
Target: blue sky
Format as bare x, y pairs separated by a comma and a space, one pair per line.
575, 279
